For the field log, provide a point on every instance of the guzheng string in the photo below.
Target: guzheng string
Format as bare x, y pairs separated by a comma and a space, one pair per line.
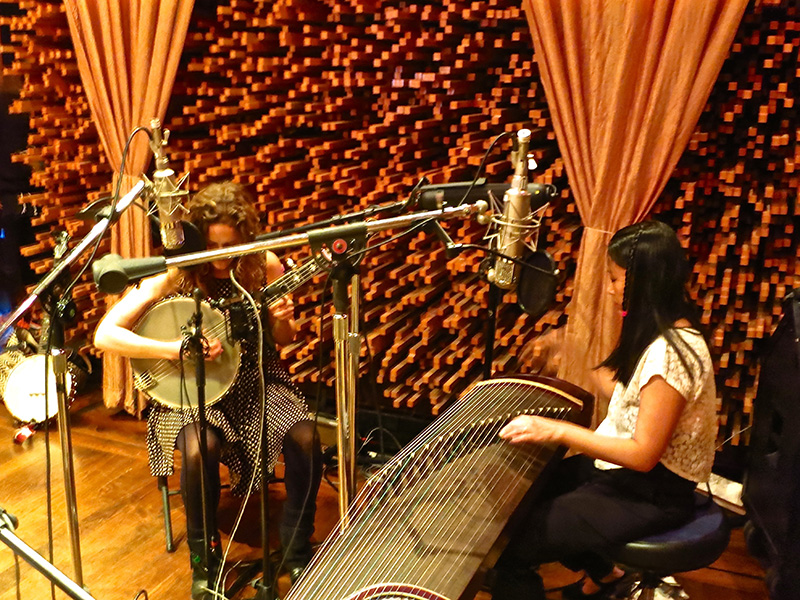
466, 416
491, 433
494, 475
443, 519
462, 433
295, 278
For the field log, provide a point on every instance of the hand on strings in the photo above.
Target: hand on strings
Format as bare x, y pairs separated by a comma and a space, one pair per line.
282, 309
532, 430
212, 349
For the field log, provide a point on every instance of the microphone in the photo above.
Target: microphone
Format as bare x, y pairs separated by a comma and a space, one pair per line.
433, 197
166, 191
515, 222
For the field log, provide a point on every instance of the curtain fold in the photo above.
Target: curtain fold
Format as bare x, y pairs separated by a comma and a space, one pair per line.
128, 53
625, 82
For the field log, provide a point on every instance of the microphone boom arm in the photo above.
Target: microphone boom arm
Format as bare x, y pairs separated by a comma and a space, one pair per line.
112, 273
53, 275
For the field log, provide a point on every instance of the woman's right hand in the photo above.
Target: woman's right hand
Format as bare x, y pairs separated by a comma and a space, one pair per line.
213, 349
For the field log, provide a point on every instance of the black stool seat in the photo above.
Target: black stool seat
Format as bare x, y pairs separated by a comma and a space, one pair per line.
695, 545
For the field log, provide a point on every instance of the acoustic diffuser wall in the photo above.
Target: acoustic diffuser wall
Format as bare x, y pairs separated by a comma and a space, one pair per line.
325, 107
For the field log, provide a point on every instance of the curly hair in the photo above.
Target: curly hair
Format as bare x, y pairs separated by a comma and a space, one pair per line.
227, 203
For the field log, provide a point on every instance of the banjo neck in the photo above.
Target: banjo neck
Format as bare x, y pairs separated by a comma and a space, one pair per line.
288, 282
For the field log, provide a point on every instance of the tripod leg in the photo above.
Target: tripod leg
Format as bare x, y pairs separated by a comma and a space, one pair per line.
64, 583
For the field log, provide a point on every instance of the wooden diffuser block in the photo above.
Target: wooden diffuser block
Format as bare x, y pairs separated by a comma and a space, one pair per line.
327, 108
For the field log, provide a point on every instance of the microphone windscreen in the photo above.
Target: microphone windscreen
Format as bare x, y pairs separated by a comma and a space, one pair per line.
112, 273
538, 283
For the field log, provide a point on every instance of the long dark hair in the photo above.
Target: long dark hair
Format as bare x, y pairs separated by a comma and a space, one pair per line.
230, 204
655, 297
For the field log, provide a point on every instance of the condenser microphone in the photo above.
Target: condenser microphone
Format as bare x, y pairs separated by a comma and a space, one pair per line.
514, 224
168, 196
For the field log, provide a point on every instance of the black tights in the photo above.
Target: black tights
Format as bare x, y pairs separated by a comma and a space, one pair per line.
303, 460
188, 443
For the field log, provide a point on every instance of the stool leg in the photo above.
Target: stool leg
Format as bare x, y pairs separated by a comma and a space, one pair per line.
671, 590
650, 587
163, 485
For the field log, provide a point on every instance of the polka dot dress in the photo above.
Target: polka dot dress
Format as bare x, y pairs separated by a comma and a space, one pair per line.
237, 415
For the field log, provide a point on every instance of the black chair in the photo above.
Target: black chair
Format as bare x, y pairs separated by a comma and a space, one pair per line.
693, 546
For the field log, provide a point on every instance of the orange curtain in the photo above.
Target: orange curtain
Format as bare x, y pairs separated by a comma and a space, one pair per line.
128, 53
626, 82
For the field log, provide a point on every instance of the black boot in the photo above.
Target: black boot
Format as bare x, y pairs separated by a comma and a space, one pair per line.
296, 528
204, 572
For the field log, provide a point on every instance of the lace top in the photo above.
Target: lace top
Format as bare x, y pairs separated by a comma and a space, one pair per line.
690, 452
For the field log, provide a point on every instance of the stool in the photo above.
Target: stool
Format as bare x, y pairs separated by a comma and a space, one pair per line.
163, 486
693, 546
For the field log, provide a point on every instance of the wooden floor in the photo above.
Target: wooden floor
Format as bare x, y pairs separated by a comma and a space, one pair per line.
121, 527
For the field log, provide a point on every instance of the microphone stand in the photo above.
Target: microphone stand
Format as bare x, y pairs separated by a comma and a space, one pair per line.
59, 360
493, 301
346, 344
193, 339
8, 523
112, 274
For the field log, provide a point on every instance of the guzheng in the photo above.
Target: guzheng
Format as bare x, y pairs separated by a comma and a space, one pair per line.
431, 521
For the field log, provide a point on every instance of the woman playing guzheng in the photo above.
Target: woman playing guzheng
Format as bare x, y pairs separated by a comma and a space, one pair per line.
651, 450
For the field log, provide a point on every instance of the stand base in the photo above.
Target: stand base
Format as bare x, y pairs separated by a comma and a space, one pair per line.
667, 589
249, 575
38, 562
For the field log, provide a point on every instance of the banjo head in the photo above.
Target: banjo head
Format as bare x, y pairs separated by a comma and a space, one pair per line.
170, 383
24, 394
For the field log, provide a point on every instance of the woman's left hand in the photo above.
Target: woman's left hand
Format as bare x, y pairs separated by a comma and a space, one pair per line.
282, 309
532, 430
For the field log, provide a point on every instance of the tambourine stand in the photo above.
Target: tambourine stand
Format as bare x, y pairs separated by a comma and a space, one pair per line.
58, 358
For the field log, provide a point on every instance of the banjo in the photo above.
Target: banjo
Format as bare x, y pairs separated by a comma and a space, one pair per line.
170, 382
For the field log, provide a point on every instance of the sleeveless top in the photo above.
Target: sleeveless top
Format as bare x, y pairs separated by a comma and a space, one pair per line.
235, 415
690, 452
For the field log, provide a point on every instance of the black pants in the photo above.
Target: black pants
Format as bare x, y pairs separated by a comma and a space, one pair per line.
583, 512
303, 460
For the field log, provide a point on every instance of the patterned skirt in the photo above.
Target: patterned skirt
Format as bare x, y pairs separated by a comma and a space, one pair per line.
238, 415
